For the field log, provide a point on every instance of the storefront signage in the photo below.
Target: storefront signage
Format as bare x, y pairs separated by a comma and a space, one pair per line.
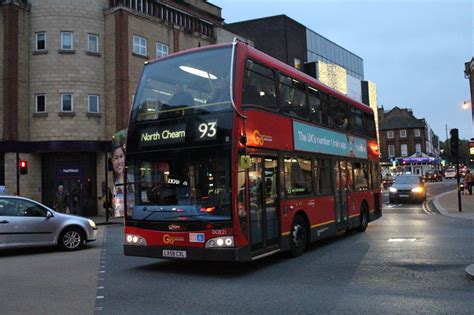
315, 139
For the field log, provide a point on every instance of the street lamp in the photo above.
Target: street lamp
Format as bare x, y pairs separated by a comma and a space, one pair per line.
466, 105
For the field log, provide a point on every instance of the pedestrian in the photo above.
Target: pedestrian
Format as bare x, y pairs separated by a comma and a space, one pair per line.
61, 203
468, 181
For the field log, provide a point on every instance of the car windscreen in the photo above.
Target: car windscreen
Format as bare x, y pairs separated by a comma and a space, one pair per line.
407, 180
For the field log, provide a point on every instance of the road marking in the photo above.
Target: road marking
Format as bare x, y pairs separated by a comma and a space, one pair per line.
399, 240
426, 209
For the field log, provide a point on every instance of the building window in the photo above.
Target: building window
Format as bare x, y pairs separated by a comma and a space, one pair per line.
139, 45
417, 132
40, 103
404, 149
40, 41
93, 43
66, 102
417, 147
390, 134
161, 50
93, 102
403, 133
67, 40
391, 150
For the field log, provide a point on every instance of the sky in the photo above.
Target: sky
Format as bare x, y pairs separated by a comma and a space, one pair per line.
413, 50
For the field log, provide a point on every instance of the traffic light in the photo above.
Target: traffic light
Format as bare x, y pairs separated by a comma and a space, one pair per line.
454, 142
23, 167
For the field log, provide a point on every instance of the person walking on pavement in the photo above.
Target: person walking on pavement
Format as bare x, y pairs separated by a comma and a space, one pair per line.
468, 181
61, 200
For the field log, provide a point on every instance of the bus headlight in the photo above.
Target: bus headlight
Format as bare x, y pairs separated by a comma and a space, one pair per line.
131, 239
220, 242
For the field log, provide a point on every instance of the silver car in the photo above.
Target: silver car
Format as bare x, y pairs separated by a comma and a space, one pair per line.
25, 222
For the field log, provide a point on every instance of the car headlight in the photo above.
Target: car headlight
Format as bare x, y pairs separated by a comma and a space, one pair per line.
392, 189
132, 239
92, 223
220, 242
417, 189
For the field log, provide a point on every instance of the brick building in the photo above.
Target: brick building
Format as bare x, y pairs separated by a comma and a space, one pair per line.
68, 73
407, 141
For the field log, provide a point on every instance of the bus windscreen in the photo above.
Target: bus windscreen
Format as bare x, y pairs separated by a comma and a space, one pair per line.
186, 84
195, 186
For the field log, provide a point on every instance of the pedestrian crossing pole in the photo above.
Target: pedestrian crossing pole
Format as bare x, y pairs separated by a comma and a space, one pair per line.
455, 155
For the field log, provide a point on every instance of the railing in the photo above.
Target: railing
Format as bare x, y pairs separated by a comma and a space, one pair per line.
168, 14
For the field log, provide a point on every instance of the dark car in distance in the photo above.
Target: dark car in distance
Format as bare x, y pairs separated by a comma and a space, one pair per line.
433, 176
408, 188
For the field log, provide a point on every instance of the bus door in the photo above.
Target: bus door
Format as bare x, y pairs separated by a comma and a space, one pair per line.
263, 195
341, 192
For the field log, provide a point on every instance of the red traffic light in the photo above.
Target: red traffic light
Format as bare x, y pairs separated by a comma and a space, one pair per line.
23, 167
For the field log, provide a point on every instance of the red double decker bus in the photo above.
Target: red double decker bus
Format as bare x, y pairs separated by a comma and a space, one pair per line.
233, 155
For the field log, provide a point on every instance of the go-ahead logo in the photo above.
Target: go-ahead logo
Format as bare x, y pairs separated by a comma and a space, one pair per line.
260, 139
167, 239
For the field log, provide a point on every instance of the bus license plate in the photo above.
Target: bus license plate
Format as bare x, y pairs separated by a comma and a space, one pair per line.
174, 253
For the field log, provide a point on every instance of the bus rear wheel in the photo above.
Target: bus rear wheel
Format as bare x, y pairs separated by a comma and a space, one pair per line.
298, 236
364, 218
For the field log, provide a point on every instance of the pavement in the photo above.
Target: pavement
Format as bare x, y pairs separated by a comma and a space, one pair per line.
447, 204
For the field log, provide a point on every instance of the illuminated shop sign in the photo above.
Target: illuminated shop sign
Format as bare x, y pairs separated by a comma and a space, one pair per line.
315, 139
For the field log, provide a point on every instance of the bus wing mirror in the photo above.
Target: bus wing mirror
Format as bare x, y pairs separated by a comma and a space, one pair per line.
245, 162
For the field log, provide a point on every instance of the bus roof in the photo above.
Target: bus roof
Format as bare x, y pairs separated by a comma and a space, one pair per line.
280, 66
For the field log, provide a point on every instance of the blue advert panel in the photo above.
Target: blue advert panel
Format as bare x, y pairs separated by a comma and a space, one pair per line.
315, 139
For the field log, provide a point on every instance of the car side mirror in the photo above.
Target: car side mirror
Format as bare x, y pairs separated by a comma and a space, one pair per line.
49, 214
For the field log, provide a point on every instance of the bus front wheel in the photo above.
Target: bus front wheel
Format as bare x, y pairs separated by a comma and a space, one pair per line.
299, 236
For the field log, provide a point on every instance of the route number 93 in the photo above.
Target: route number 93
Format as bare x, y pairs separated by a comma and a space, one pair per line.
208, 129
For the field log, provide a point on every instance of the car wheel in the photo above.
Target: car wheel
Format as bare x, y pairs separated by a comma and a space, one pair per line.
364, 218
391, 200
299, 236
71, 239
